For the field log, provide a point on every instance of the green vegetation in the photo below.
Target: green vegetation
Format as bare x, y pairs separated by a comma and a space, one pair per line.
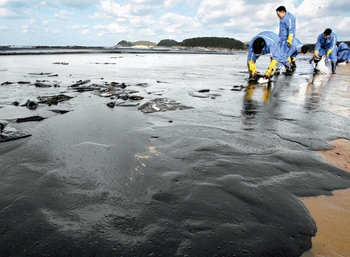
168, 43
125, 43
214, 42
144, 43
207, 42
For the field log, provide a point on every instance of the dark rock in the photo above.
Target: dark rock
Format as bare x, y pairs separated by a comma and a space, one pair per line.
111, 104
39, 84
31, 105
142, 85
61, 63
126, 104
31, 118
237, 88
124, 97
203, 95
55, 99
136, 97
12, 135
204, 91
80, 82
41, 74
7, 83
60, 111
23, 82
15, 103
162, 104
2, 126
85, 89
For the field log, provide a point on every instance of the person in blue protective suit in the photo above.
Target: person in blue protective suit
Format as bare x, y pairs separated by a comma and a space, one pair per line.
266, 42
296, 48
342, 53
326, 45
287, 28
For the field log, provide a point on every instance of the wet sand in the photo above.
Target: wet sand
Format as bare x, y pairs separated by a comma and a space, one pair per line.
331, 213
219, 179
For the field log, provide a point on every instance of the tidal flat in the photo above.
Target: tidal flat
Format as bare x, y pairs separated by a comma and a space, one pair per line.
138, 154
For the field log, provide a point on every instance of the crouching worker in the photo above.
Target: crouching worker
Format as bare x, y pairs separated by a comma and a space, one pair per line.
296, 48
343, 51
326, 45
266, 42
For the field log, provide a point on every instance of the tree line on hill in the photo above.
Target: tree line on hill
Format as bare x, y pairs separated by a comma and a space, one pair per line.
208, 42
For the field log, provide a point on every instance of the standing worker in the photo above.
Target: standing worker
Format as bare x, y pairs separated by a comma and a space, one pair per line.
287, 28
342, 53
266, 42
326, 45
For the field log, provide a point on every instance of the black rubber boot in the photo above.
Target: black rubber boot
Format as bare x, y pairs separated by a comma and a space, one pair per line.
334, 65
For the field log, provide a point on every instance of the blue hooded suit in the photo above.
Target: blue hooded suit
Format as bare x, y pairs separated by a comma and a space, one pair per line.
324, 46
342, 53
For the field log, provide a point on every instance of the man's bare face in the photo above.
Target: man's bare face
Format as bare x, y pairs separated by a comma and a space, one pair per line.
326, 36
280, 14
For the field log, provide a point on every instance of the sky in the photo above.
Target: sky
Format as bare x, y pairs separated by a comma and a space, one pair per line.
106, 22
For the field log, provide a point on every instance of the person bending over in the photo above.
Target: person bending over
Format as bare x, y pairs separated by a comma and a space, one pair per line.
266, 42
296, 48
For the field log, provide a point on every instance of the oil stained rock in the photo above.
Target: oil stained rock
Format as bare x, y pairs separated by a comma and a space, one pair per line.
31, 118
55, 99
162, 104
31, 105
12, 134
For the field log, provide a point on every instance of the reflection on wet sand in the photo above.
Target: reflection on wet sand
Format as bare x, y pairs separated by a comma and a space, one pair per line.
251, 103
316, 90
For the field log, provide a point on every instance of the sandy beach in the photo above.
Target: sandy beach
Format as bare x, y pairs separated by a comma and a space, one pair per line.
331, 213
164, 155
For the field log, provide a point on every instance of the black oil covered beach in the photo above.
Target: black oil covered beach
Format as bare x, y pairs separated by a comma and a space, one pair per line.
213, 167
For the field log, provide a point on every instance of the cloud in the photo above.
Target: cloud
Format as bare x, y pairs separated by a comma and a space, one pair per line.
4, 27
171, 3
78, 3
62, 14
113, 28
4, 12
176, 24
220, 10
24, 28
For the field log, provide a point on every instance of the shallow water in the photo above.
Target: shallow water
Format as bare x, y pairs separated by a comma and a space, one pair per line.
219, 179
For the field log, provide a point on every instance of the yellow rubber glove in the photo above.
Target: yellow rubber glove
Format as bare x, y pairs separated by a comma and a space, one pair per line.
293, 59
289, 40
316, 52
252, 68
329, 51
289, 60
272, 66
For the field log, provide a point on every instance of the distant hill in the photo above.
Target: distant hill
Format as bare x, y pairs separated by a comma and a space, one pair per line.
144, 43
168, 43
125, 43
214, 42
206, 42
